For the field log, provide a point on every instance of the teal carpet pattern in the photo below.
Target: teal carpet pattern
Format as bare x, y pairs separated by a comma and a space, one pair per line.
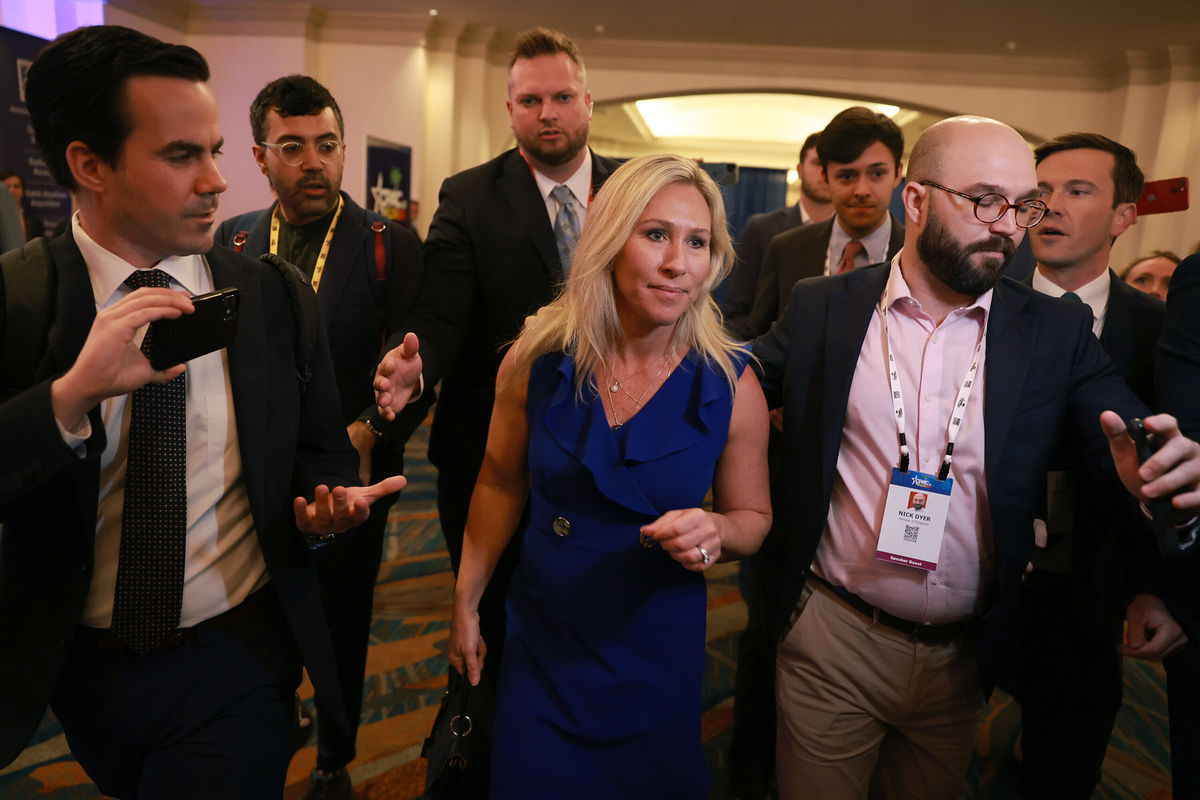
406, 672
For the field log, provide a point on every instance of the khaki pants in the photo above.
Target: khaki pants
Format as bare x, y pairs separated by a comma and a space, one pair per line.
864, 711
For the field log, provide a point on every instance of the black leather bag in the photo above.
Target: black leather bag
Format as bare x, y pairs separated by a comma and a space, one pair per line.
459, 746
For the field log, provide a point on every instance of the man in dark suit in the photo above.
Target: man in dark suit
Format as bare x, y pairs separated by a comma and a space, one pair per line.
366, 270
894, 628
495, 254
814, 205
860, 152
1101, 556
156, 589
1178, 389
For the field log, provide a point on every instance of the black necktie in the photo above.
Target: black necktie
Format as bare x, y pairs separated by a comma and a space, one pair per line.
149, 592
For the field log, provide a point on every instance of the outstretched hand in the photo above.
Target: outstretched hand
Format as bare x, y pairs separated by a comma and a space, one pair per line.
1174, 467
341, 508
397, 377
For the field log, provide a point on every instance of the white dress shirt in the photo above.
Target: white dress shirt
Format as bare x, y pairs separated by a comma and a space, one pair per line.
1094, 293
580, 185
222, 562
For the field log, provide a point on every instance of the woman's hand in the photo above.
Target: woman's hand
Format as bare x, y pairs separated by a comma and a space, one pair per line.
467, 648
691, 536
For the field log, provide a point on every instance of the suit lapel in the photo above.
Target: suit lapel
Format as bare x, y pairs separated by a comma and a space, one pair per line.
343, 259
1010, 337
258, 238
1117, 337
74, 312
897, 239
810, 262
520, 191
846, 324
247, 380
75, 307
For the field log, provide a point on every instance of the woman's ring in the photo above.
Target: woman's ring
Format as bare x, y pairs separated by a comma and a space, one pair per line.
704, 556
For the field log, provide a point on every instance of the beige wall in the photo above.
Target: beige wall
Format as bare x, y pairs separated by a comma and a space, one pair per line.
439, 87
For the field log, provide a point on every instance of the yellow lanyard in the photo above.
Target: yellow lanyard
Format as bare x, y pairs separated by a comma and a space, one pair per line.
319, 267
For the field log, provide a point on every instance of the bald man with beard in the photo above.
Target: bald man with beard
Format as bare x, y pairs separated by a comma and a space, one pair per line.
893, 630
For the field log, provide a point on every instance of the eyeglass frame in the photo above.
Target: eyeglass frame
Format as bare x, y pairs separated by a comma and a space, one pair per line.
315, 146
1032, 202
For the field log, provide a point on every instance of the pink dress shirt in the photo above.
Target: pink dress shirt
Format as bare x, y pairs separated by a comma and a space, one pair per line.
933, 360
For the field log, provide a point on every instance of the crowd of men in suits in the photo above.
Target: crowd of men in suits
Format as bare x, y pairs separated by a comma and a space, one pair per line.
173, 668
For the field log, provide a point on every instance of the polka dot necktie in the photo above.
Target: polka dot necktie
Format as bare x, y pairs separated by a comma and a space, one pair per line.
149, 593
849, 253
566, 225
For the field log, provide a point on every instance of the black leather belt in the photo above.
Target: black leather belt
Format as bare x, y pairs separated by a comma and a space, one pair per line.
923, 632
105, 639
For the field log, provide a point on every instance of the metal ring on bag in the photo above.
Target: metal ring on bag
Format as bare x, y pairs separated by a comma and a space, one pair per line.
454, 729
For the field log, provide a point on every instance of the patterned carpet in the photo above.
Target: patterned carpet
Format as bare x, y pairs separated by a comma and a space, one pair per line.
407, 667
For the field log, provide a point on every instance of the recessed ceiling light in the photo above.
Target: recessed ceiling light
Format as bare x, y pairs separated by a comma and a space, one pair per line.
433, 12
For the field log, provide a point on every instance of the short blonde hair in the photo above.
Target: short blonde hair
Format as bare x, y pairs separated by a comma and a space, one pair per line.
583, 320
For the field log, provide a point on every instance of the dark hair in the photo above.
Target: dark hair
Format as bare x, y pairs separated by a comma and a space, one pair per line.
809, 143
5, 174
75, 89
1126, 174
544, 42
291, 96
854, 130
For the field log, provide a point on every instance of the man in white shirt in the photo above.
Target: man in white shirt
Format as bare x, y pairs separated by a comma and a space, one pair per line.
1100, 568
156, 586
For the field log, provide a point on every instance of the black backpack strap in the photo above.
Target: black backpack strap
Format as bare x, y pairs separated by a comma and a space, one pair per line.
28, 299
304, 307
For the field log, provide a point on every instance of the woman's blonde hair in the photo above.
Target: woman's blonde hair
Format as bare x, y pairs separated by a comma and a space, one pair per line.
583, 320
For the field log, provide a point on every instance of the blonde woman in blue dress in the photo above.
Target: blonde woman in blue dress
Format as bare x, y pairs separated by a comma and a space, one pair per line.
621, 403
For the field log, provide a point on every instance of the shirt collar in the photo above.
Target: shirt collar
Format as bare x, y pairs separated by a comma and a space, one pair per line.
108, 271
875, 243
900, 297
1094, 292
580, 183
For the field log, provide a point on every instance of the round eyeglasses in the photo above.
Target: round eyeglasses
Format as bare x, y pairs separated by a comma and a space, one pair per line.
991, 207
293, 153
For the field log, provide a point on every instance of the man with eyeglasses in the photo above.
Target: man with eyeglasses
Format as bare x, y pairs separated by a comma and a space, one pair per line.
366, 271
1101, 555
860, 152
928, 374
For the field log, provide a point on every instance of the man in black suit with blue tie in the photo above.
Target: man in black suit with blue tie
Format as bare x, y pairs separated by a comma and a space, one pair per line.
498, 249
156, 587
1101, 567
892, 634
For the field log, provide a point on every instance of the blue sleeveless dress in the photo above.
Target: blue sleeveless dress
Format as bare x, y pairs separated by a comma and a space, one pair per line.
599, 693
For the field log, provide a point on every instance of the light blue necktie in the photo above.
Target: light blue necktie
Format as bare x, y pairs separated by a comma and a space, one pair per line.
566, 225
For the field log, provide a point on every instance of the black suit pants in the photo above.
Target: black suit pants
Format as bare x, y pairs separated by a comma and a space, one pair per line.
207, 719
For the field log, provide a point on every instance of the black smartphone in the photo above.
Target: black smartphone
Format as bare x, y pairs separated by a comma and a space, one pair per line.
211, 326
1172, 540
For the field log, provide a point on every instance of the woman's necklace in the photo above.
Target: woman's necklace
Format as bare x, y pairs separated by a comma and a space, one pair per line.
616, 384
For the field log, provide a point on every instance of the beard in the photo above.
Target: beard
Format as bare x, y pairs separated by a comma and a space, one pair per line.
818, 193
555, 155
292, 197
950, 261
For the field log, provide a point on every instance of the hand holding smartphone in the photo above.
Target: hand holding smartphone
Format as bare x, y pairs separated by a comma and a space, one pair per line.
211, 326
1172, 540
